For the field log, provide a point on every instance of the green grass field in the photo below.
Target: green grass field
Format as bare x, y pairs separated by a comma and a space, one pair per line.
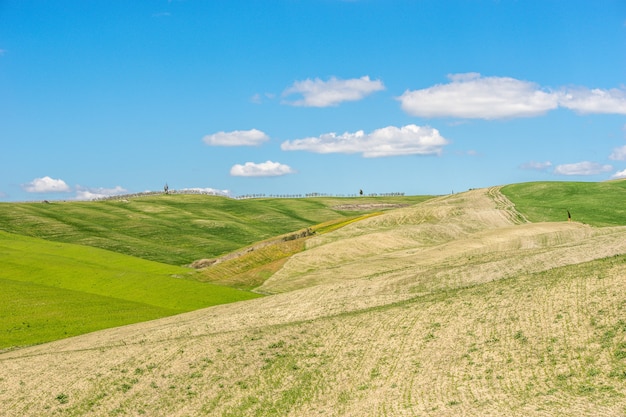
594, 203
176, 229
51, 290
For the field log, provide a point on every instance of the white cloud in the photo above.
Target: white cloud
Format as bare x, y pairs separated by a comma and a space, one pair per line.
46, 185
618, 154
584, 100
471, 96
582, 168
388, 141
536, 166
318, 93
84, 193
619, 175
264, 169
251, 137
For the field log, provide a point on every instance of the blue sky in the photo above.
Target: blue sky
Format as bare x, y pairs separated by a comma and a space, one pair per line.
299, 96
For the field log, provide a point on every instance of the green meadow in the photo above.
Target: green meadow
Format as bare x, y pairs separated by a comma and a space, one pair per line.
52, 290
594, 203
177, 229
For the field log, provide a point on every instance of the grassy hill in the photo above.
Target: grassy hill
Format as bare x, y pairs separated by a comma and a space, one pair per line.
594, 203
54, 290
177, 229
454, 306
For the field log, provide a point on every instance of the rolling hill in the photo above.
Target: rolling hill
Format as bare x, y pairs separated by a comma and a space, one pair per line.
51, 289
177, 229
459, 305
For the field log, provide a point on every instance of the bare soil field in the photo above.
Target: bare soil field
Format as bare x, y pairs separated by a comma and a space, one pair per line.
455, 306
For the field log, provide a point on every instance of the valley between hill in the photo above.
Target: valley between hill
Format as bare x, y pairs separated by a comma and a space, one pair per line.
454, 306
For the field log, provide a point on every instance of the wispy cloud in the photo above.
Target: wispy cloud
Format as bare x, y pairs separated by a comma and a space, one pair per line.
2, 52
472, 96
536, 166
260, 98
252, 137
264, 169
86, 193
387, 141
161, 14
318, 93
46, 185
618, 154
582, 168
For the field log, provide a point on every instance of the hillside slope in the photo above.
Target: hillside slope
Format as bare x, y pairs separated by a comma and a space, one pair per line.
455, 306
51, 290
177, 229
430, 246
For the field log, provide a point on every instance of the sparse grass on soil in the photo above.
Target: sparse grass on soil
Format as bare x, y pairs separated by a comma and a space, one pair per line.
545, 344
593, 203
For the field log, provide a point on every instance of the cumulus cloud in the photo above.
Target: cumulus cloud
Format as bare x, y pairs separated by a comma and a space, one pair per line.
318, 93
251, 137
387, 141
618, 154
46, 185
85, 193
536, 166
264, 169
472, 96
619, 175
582, 168
584, 100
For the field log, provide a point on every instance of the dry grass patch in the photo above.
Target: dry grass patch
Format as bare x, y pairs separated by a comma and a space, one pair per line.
251, 269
